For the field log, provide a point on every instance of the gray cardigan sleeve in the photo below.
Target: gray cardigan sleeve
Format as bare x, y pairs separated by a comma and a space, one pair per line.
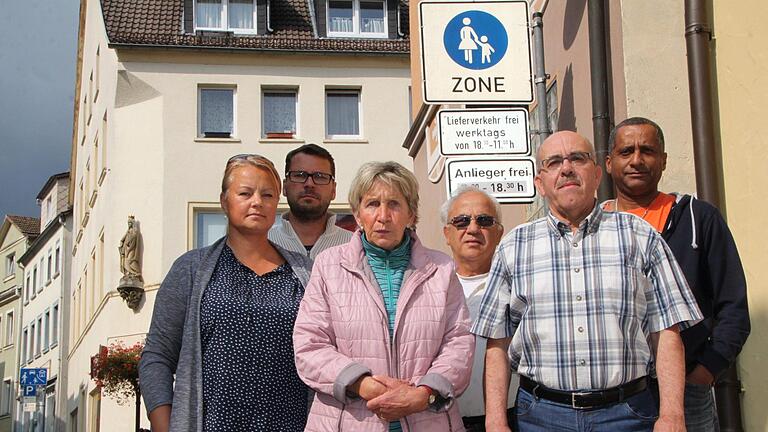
161, 351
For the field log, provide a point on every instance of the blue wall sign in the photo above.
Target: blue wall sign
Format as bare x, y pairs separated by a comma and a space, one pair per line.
475, 40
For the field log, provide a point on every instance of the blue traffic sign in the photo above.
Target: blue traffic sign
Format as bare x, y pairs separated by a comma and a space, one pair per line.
475, 39
33, 376
30, 390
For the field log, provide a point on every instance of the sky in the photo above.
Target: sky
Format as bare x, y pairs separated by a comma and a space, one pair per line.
38, 49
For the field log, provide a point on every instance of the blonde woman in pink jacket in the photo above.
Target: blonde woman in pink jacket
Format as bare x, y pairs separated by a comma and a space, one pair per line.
382, 333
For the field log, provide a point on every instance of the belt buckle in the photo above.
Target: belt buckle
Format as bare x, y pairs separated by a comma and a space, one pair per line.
573, 400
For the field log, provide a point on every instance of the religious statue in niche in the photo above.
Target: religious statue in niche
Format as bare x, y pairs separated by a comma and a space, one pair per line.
131, 287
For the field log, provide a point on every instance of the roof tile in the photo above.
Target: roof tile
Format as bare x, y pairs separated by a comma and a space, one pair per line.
29, 226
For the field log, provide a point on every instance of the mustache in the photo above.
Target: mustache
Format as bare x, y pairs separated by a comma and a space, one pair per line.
309, 194
571, 178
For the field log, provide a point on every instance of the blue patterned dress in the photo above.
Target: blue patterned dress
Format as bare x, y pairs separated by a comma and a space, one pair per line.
246, 326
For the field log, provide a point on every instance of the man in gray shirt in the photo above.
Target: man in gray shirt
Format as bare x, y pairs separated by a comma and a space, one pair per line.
309, 186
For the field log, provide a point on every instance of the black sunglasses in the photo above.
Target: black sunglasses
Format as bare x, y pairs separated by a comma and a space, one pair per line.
320, 178
463, 221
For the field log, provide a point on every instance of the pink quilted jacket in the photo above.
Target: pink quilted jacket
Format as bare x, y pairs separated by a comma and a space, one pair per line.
341, 334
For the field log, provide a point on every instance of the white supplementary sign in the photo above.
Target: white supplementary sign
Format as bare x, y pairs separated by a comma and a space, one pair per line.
484, 132
509, 180
475, 52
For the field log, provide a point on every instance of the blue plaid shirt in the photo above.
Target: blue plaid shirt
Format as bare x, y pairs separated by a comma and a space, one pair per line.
580, 307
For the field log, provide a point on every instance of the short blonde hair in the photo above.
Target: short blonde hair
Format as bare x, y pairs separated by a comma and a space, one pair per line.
393, 175
254, 160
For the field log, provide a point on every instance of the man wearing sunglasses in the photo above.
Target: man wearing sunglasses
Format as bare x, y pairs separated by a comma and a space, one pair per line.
472, 228
309, 187
583, 291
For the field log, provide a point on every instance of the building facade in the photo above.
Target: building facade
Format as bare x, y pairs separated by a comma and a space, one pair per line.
44, 299
16, 234
167, 91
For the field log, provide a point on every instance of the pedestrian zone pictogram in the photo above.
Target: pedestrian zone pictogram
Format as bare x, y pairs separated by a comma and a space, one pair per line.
475, 40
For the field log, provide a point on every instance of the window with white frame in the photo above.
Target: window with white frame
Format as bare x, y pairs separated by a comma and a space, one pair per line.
342, 113
9, 330
24, 345
42, 274
57, 261
51, 209
55, 325
216, 112
46, 330
210, 225
49, 266
7, 396
34, 282
31, 352
238, 16
10, 264
278, 113
39, 337
359, 18
27, 288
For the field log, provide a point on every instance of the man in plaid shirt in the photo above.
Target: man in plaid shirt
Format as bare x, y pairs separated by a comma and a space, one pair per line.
585, 297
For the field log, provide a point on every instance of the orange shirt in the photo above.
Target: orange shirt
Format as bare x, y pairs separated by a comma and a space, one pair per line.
656, 214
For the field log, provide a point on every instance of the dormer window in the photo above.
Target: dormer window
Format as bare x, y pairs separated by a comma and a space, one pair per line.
357, 18
238, 16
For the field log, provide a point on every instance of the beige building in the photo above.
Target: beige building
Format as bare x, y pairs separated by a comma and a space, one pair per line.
167, 91
740, 56
43, 298
16, 234
648, 76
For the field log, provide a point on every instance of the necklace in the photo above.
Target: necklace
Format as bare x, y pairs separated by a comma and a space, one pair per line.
645, 213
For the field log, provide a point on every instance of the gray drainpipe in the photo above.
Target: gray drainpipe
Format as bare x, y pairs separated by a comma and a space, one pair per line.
697, 39
598, 71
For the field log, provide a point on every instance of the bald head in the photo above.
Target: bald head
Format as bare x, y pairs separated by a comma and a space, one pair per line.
557, 140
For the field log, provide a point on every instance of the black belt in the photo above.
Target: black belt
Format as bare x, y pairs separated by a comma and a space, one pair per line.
585, 399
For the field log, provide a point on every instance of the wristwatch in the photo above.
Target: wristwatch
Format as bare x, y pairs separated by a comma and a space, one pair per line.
432, 398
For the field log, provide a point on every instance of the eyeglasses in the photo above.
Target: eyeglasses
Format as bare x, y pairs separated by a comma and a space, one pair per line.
553, 163
319, 178
463, 221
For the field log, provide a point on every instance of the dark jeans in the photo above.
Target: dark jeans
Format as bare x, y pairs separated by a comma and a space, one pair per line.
637, 413
477, 423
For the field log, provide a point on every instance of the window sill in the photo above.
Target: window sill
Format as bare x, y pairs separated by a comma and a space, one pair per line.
9, 277
102, 175
281, 141
345, 141
218, 140
54, 345
55, 275
48, 282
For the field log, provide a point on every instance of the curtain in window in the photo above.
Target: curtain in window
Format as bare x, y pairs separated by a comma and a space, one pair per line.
372, 17
215, 111
340, 13
208, 13
210, 227
279, 112
240, 14
343, 116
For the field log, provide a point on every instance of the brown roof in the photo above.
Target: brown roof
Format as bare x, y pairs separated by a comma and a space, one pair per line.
29, 226
159, 22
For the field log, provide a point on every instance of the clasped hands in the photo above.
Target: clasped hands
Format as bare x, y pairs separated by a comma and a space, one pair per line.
391, 398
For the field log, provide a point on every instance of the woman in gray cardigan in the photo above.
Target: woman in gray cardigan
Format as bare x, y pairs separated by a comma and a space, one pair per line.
223, 321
